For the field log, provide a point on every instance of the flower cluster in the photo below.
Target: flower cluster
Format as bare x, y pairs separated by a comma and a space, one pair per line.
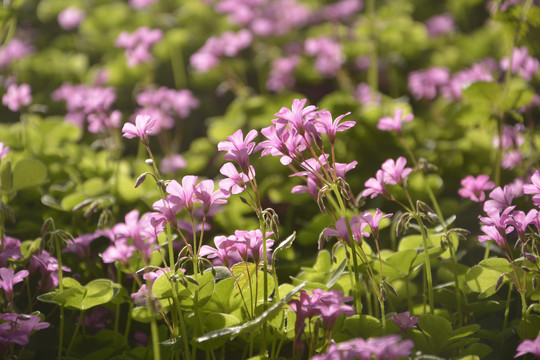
138, 44
328, 305
502, 218
391, 173
328, 54
522, 64
17, 328
441, 24
17, 96
227, 44
385, 348
14, 50
511, 140
164, 105
474, 187
265, 17
241, 246
429, 83
92, 103
281, 76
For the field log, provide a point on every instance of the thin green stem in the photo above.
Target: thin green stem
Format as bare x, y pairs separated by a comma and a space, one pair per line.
61, 289
507, 307
72, 342
155, 337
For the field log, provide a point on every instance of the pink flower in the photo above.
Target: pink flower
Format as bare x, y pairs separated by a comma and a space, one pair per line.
373, 220
138, 44
298, 117
523, 64
141, 4
499, 199
235, 181
70, 18
183, 194
281, 75
120, 250
9, 278
226, 252
144, 126
394, 123
405, 321
534, 188
17, 96
474, 187
204, 192
172, 163
325, 124
375, 186
395, 172
529, 346
341, 230
238, 149
440, 25
328, 54
426, 84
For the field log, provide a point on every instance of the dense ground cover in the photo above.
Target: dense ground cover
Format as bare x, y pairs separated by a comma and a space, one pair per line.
227, 179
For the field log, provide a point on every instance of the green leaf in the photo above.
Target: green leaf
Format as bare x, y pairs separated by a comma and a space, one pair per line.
6, 176
529, 328
164, 286
483, 277
285, 244
250, 325
336, 274
28, 173
483, 92
533, 16
364, 326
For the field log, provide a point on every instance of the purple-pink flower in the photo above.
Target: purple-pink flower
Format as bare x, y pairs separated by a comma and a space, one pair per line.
8, 278
395, 172
205, 194
474, 187
325, 124
529, 346
522, 64
239, 148
375, 186
17, 96
534, 188
138, 44
394, 123
440, 25
235, 181
373, 220
70, 18
328, 54
405, 321
144, 126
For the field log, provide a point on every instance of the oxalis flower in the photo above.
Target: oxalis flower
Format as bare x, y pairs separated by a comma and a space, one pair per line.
388, 123
144, 126
474, 187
